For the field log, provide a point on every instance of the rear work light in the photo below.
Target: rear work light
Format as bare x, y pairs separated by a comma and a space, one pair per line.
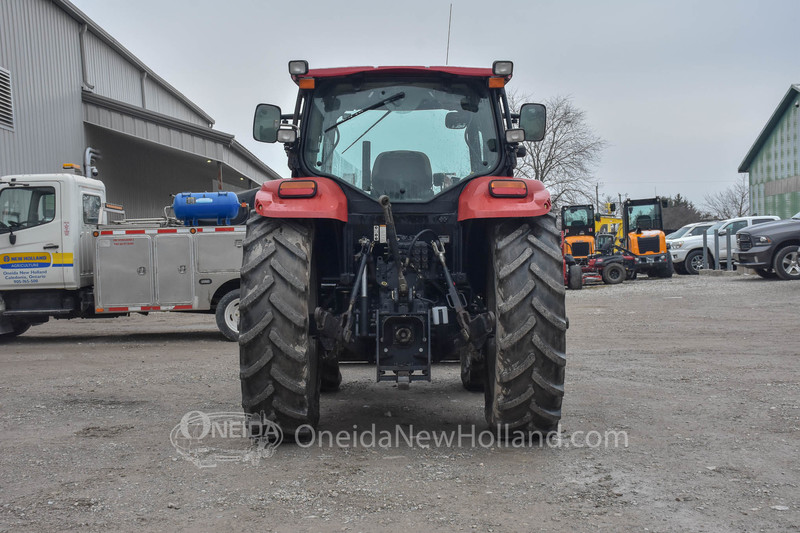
297, 189
503, 68
298, 68
508, 188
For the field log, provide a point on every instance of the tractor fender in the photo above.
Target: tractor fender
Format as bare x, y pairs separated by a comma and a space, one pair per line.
328, 202
475, 200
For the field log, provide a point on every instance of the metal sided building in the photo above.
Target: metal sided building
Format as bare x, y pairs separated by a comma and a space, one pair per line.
772, 161
66, 84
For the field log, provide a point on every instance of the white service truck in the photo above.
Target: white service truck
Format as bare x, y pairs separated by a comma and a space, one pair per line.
60, 257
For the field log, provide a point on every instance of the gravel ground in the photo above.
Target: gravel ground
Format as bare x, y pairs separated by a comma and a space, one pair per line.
699, 373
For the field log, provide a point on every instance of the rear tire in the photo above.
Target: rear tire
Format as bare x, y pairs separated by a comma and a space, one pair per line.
613, 273
787, 263
279, 361
525, 359
331, 378
227, 315
575, 277
473, 376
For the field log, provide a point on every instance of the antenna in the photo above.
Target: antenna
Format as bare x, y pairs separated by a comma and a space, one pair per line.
449, 21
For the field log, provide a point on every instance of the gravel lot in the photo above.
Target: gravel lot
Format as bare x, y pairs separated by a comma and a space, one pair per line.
699, 372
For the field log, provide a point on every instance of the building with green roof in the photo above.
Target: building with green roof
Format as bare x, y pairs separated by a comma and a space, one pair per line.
772, 161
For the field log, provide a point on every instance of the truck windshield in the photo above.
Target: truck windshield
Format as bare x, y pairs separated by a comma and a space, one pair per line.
409, 139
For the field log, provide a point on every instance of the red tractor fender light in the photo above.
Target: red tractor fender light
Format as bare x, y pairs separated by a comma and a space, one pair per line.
297, 189
508, 188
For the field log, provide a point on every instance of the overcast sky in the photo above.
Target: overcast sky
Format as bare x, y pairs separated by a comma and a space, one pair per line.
678, 89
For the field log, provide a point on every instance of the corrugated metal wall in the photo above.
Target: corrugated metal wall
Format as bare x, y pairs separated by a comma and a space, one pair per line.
161, 101
111, 75
775, 171
39, 46
115, 77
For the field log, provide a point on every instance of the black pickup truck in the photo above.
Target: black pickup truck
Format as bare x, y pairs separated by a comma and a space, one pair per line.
771, 249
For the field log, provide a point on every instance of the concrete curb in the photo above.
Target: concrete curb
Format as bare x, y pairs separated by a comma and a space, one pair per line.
722, 273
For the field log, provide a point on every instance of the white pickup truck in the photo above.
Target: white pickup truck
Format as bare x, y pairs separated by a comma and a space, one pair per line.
61, 258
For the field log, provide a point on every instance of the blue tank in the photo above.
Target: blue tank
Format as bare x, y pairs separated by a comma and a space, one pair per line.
192, 207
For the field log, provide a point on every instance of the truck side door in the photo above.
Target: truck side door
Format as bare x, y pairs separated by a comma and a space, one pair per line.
31, 215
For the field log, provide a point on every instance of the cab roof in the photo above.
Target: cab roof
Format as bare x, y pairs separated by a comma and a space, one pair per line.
349, 71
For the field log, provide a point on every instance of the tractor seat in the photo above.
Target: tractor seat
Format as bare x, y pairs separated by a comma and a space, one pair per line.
402, 170
644, 222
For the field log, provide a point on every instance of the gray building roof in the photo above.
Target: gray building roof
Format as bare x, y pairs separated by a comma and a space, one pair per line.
762, 138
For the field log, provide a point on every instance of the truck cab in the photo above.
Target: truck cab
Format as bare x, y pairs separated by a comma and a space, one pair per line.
61, 258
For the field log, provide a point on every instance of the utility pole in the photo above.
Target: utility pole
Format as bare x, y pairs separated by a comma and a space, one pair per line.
597, 197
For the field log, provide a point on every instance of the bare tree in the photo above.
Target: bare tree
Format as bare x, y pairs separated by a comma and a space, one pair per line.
732, 202
567, 156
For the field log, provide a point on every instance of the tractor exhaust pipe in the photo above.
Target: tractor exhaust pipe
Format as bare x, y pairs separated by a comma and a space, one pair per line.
394, 250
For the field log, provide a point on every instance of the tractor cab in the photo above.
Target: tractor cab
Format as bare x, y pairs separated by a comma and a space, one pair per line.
578, 229
644, 237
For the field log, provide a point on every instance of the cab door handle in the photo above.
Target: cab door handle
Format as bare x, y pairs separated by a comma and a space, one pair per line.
50, 246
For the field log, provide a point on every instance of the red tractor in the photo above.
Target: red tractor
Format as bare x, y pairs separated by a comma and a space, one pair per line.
401, 240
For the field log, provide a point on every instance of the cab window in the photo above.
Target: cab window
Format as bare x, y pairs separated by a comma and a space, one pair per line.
26, 207
91, 209
736, 226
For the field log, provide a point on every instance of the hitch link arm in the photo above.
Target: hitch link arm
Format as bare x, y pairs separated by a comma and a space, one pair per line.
462, 316
391, 238
359, 285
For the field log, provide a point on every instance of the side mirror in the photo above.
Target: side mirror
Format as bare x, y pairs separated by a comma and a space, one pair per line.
266, 123
438, 179
597, 217
722, 232
612, 207
532, 119
664, 203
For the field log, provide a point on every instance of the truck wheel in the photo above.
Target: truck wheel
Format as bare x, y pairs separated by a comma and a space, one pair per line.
472, 374
18, 327
693, 263
787, 263
575, 281
227, 315
525, 359
279, 360
613, 273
